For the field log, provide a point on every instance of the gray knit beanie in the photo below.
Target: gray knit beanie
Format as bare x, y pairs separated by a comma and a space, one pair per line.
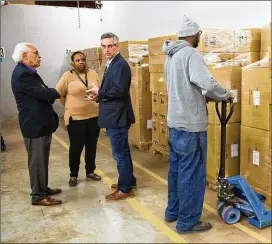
188, 28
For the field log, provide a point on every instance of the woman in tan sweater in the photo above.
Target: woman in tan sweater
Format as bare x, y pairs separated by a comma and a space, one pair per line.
80, 115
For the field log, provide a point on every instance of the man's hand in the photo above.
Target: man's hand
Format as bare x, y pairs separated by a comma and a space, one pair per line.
232, 97
93, 91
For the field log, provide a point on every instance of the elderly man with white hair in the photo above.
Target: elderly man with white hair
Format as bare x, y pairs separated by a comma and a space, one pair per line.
189, 85
37, 119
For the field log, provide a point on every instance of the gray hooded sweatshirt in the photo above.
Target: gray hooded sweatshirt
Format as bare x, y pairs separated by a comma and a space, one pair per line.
188, 83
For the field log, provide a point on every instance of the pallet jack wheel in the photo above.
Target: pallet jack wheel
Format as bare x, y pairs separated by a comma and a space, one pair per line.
228, 213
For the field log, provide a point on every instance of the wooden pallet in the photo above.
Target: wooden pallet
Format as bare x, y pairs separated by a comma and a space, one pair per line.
268, 195
211, 184
163, 153
141, 146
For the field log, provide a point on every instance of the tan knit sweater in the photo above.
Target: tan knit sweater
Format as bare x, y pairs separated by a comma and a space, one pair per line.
72, 92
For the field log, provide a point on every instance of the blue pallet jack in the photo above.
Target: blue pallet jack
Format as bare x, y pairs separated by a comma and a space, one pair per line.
235, 196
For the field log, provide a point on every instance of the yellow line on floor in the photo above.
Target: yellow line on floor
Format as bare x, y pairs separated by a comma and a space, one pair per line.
160, 225
206, 206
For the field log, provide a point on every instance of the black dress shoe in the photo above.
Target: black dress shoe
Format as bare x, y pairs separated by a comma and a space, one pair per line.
50, 191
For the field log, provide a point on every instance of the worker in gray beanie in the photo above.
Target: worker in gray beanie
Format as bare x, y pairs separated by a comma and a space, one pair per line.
189, 83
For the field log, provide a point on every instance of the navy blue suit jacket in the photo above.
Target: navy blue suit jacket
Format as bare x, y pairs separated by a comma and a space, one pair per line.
115, 108
34, 101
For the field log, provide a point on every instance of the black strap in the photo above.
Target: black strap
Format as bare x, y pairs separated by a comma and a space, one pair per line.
86, 80
198, 146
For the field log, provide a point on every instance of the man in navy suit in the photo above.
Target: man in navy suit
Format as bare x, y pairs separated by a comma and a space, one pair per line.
37, 120
116, 113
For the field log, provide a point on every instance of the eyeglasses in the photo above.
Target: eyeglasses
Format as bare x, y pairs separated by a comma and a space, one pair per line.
108, 46
199, 33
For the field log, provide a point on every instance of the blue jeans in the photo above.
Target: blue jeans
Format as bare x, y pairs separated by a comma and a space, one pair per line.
121, 154
186, 177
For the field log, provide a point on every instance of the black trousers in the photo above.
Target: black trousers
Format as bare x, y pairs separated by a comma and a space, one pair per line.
82, 133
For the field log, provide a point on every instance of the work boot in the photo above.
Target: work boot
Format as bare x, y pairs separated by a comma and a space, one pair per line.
73, 181
115, 186
201, 226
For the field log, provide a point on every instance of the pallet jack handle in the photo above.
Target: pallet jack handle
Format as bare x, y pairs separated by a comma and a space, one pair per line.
224, 120
223, 117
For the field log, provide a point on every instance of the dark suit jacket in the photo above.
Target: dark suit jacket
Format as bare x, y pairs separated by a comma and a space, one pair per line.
34, 101
115, 109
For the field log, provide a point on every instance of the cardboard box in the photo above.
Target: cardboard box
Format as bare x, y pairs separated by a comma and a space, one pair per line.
155, 103
155, 130
163, 135
93, 54
163, 103
230, 59
156, 68
232, 150
155, 44
266, 38
229, 78
265, 60
256, 98
140, 87
256, 157
94, 65
133, 48
141, 131
158, 59
158, 82
217, 40
247, 40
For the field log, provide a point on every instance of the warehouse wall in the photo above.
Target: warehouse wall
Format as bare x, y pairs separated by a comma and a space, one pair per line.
51, 30
145, 19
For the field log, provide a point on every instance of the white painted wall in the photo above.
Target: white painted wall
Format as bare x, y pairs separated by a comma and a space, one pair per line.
52, 29
145, 19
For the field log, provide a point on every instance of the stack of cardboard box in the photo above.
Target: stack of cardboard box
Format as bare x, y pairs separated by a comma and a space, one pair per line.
227, 48
93, 58
140, 133
159, 93
136, 54
226, 52
256, 129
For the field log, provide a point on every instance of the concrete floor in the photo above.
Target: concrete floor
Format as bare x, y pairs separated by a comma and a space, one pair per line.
85, 216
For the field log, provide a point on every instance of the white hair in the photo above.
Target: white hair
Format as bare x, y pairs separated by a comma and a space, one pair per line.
19, 49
